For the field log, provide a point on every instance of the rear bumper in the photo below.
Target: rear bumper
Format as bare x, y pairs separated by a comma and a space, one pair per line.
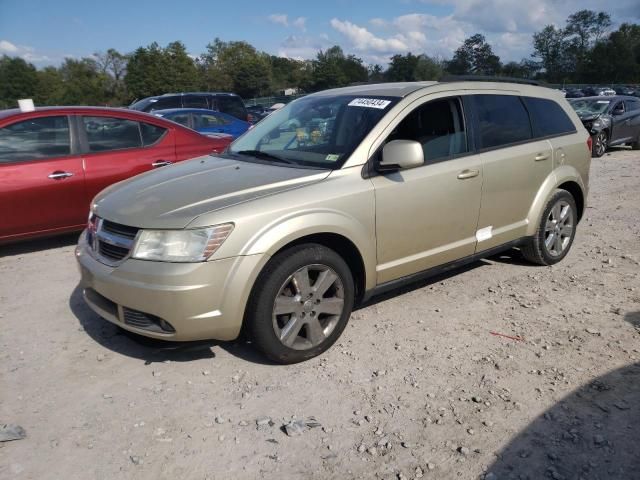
198, 301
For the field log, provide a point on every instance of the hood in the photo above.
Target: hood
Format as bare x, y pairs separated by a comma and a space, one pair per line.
172, 197
588, 117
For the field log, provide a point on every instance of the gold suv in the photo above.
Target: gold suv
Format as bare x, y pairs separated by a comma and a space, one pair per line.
332, 199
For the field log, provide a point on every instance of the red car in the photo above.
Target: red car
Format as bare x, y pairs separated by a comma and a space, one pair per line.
53, 161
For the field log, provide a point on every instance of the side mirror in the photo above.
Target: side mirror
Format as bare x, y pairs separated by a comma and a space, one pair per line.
618, 111
400, 155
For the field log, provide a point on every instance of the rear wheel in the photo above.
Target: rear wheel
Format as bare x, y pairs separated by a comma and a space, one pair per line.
301, 303
556, 231
600, 144
636, 145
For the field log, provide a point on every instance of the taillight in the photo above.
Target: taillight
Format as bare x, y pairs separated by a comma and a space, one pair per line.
589, 143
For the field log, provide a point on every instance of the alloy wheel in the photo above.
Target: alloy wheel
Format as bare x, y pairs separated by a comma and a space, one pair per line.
600, 146
559, 228
308, 307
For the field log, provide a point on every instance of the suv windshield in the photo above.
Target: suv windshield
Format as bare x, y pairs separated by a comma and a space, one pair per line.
315, 131
589, 107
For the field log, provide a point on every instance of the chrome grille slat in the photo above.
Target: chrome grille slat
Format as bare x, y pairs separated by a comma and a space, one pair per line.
112, 242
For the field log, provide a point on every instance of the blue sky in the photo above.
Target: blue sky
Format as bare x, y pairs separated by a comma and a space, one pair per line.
45, 32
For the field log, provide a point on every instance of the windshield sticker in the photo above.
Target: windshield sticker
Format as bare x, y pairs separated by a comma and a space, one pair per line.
602, 101
369, 103
332, 157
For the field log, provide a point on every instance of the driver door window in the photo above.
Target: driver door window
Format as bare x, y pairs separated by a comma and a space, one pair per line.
438, 126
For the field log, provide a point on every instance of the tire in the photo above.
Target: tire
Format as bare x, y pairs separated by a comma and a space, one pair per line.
600, 144
636, 145
310, 320
556, 231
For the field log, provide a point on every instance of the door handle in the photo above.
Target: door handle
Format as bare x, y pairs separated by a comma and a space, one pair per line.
541, 156
161, 163
60, 175
468, 174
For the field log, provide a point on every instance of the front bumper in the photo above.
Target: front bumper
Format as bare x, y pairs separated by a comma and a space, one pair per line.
204, 300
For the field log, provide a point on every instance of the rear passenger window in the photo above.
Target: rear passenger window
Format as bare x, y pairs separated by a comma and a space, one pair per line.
502, 120
195, 101
108, 133
151, 133
43, 137
232, 105
548, 118
163, 103
438, 126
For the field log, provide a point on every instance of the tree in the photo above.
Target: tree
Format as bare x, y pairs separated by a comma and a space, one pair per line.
154, 70
18, 79
475, 56
114, 64
402, 68
550, 47
332, 69
616, 58
583, 30
82, 83
236, 67
428, 68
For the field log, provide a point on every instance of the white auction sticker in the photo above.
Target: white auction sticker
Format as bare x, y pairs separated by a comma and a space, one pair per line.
369, 103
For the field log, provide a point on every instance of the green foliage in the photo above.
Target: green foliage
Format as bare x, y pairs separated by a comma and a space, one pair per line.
333, 69
18, 79
476, 57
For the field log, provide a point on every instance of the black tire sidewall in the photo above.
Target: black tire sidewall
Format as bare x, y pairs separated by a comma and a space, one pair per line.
280, 267
559, 195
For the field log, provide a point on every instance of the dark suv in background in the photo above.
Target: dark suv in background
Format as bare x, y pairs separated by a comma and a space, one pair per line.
229, 103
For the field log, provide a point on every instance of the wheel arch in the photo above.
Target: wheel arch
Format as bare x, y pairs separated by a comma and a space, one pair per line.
565, 177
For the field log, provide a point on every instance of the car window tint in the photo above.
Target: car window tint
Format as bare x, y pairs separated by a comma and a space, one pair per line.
548, 118
42, 137
502, 119
438, 126
108, 133
233, 106
195, 101
181, 118
632, 105
151, 133
205, 120
163, 103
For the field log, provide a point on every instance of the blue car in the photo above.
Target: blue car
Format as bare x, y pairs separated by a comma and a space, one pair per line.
205, 121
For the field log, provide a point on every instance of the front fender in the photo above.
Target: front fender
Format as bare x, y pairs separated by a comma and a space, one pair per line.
289, 228
562, 174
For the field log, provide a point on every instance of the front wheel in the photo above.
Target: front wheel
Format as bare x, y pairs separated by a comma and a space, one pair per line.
600, 144
556, 231
301, 303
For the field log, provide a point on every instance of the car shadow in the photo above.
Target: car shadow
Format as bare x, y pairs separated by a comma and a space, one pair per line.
592, 433
30, 246
513, 256
151, 350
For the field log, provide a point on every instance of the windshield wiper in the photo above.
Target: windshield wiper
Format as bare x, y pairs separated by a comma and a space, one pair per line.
265, 156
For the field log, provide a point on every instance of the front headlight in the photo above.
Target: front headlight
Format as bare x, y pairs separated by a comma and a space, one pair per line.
180, 245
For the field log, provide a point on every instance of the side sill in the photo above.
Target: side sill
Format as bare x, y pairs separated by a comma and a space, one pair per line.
431, 272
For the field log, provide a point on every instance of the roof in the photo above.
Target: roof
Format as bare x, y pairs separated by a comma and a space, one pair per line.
398, 89
165, 111
13, 111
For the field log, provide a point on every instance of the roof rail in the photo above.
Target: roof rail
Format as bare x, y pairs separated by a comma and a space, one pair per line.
488, 78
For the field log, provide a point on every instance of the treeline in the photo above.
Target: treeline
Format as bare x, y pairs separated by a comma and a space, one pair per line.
583, 51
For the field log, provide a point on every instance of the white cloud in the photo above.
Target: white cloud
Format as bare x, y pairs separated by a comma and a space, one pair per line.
27, 53
363, 40
7, 47
279, 18
300, 23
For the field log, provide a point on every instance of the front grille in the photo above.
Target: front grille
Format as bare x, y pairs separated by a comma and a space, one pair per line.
112, 252
146, 321
120, 230
111, 241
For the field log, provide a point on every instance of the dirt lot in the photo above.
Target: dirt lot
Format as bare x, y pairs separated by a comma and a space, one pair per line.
419, 386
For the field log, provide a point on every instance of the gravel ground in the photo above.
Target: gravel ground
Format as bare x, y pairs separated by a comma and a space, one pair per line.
419, 385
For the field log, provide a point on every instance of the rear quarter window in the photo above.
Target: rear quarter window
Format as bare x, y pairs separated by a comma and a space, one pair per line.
502, 120
548, 118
